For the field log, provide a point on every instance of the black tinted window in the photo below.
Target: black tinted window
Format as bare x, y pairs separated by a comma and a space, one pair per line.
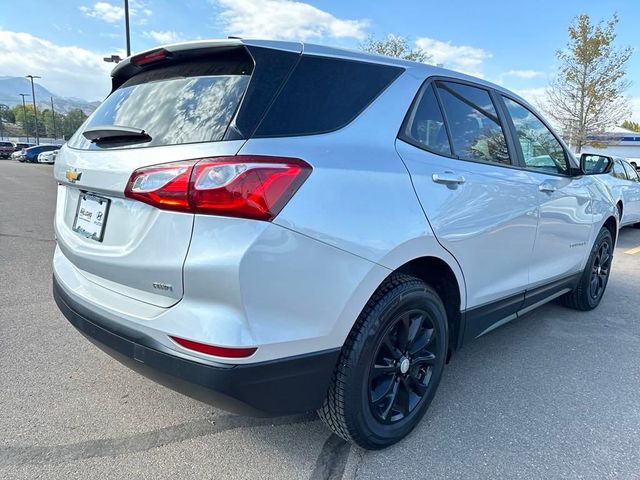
473, 122
618, 170
324, 94
540, 148
631, 172
425, 126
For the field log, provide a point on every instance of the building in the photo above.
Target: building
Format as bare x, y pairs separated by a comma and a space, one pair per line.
618, 142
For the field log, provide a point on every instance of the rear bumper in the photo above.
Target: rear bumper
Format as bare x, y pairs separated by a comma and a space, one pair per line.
277, 387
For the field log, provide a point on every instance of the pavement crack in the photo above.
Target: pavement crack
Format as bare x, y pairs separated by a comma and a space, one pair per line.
111, 447
332, 460
26, 237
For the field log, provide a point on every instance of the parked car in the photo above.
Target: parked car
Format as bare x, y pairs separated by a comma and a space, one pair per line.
19, 146
6, 149
17, 155
623, 180
47, 157
31, 154
316, 228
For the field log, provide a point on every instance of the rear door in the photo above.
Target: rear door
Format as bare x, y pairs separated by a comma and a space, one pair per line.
632, 193
119, 243
566, 218
481, 207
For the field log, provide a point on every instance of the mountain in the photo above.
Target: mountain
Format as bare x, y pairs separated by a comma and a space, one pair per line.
10, 87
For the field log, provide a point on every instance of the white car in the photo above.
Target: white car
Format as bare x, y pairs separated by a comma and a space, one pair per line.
276, 227
623, 181
48, 157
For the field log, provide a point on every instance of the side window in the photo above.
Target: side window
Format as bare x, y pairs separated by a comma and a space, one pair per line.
540, 148
618, 170
473, 122
425, 125
631, 172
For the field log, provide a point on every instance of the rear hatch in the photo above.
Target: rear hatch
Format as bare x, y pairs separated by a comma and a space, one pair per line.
187, 104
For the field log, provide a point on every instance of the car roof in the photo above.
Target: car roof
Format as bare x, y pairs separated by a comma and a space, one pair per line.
417, 68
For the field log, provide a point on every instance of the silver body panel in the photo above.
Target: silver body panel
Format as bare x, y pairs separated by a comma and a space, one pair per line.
297, 284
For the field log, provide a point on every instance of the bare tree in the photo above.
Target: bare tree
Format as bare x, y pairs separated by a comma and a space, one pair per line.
587, 95
395, 46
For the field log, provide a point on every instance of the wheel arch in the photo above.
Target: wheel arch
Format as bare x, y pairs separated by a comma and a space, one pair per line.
438, 274
612, 225
620, 207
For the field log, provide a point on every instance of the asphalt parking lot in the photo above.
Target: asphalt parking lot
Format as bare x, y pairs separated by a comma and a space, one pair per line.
553, 395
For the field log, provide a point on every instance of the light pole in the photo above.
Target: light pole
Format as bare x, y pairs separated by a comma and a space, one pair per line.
35, 110
24, 112
126, 26
53, 117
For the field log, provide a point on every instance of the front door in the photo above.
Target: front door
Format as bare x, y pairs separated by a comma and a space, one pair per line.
481, 208
566, 219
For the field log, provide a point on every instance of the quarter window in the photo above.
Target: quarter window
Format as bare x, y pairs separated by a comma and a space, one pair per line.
473, 122
540, 148
425, 125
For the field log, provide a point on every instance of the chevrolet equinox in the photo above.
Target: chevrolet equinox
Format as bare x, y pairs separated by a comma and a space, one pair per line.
277, 227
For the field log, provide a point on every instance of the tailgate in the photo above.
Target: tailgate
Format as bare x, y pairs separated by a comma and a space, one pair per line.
142, 248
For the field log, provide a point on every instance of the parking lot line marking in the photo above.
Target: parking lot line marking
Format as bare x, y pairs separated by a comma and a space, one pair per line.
633, 251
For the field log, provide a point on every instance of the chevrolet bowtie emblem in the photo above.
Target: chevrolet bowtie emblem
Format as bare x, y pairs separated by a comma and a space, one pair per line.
73, 175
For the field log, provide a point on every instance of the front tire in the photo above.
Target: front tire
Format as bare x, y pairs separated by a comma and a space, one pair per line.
390, 365
595, 277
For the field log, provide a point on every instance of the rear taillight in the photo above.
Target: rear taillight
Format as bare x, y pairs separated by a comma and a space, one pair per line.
246, 186
228, 352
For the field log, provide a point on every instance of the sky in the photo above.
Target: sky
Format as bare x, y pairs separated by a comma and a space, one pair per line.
506, 42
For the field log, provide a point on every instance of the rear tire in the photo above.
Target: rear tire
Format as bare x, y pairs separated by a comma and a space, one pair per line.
390, 365
595, 277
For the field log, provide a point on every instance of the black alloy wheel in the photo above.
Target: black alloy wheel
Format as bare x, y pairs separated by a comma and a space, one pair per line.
401, 373
600, 269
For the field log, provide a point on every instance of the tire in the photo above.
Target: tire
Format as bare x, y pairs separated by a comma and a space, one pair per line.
598, 269
377, 407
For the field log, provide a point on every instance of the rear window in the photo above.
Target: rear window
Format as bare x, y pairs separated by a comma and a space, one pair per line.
185, 103
6, 144
323, 95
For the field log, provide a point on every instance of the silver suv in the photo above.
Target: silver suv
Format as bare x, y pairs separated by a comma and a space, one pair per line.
275, 227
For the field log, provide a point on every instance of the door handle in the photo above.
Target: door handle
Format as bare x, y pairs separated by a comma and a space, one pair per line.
448, 178
547, 187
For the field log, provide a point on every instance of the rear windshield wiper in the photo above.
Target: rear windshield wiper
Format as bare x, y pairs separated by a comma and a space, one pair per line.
115, 134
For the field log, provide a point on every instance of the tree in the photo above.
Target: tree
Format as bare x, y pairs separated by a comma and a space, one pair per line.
587, 95
6, 114
395, 46
631, 125
72, 121
28, 123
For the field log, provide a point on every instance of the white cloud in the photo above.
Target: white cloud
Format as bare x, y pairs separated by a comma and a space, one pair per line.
285, 20
163, 37
111, 13
463, 58
68, 71
104, 11
533, 95
528, 74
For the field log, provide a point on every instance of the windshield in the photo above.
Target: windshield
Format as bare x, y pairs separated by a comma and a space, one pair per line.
171, 111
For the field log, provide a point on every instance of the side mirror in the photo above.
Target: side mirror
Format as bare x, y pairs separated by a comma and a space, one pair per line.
592, 164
